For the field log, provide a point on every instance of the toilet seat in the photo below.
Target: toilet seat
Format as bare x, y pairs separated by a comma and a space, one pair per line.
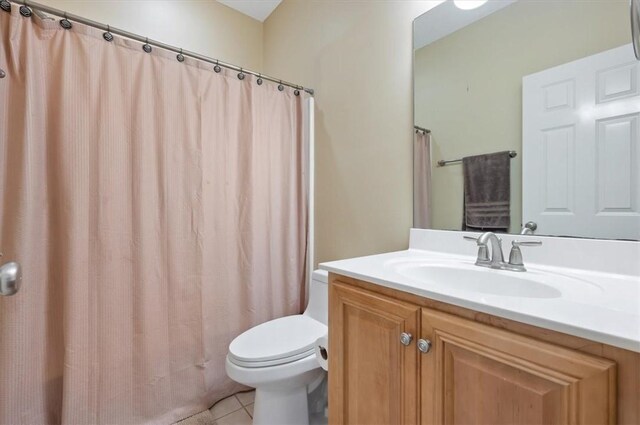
276, 342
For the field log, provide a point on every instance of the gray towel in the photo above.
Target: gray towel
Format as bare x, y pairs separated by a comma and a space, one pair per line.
487, 192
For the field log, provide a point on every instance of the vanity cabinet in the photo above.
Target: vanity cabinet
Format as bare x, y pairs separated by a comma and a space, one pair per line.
468, 372
374, 377
476, 374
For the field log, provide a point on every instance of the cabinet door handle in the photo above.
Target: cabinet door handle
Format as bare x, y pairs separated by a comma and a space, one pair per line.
424, 345
406, 338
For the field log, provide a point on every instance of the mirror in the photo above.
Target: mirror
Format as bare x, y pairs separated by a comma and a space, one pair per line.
542, 100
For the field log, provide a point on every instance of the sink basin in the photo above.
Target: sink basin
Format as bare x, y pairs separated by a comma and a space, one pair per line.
464, 276
482, 280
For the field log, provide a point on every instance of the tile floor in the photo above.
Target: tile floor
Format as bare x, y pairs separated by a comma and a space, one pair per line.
234, 410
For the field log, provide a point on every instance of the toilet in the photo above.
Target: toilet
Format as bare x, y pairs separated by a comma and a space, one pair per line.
278, 359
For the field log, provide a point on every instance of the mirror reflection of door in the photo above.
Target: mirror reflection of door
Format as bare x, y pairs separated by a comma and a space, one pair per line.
581, 124
576, 169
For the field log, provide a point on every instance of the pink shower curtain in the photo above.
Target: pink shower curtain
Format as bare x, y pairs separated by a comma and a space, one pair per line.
422, 180
158, 210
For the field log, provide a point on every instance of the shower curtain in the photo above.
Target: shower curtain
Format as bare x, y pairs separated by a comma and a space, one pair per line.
158, 209
422, 180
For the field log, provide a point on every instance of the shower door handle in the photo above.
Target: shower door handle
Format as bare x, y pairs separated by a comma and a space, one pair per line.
10, 278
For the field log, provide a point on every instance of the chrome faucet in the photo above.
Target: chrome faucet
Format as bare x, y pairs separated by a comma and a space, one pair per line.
529, 228
496, 260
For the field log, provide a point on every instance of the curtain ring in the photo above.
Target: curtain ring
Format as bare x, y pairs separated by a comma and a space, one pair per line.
146, 46
107, 35
241, 75
217, 68
280, 86
2, 73
297, 92
180, 56
259, 80
5, 5
65, 23
25, 11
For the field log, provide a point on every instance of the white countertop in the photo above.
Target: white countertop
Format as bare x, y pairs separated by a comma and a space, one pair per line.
605, 308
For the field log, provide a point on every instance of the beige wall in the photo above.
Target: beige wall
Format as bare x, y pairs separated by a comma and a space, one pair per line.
468, 85
358, 57
203, 26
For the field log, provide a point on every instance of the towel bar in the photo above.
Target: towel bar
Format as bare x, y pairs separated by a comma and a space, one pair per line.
442, 162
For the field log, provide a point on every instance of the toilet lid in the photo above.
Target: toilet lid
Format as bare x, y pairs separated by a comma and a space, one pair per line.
279, 339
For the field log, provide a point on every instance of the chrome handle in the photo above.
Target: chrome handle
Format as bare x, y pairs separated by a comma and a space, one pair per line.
10, 278
483, 249
515, 256
406, 338
424, 345
526, 243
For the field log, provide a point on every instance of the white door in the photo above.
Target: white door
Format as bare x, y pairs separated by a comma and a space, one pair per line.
581, 147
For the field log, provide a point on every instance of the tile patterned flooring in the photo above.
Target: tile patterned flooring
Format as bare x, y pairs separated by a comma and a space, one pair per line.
234, 410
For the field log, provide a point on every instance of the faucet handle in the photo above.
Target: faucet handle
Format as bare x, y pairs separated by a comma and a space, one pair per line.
483, 249
515, 256
525, 243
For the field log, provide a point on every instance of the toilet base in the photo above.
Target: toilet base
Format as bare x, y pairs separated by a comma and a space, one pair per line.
281, 390
274, 407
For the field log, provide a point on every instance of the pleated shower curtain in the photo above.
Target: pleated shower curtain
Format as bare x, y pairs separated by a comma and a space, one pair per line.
422, 180
158, 209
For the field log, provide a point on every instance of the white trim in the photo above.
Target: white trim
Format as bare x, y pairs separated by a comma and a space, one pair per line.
310, 141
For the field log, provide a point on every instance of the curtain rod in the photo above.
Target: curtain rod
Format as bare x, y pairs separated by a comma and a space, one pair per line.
442, 163
426, 130
127, 34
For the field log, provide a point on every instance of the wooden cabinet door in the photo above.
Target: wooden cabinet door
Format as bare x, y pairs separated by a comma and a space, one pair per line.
477, 374
373, 377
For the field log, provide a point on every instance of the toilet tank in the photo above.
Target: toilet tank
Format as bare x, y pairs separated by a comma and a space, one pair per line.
318, 307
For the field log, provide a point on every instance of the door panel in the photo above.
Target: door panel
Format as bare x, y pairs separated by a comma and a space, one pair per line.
581, 147
373, 377
476, 374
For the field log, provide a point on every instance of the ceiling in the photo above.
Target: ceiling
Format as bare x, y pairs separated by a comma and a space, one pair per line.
257, 9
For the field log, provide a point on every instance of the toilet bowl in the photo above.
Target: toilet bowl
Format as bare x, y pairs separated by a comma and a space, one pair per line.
277, 358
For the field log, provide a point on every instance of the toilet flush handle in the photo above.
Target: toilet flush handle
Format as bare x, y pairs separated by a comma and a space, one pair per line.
10, 278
